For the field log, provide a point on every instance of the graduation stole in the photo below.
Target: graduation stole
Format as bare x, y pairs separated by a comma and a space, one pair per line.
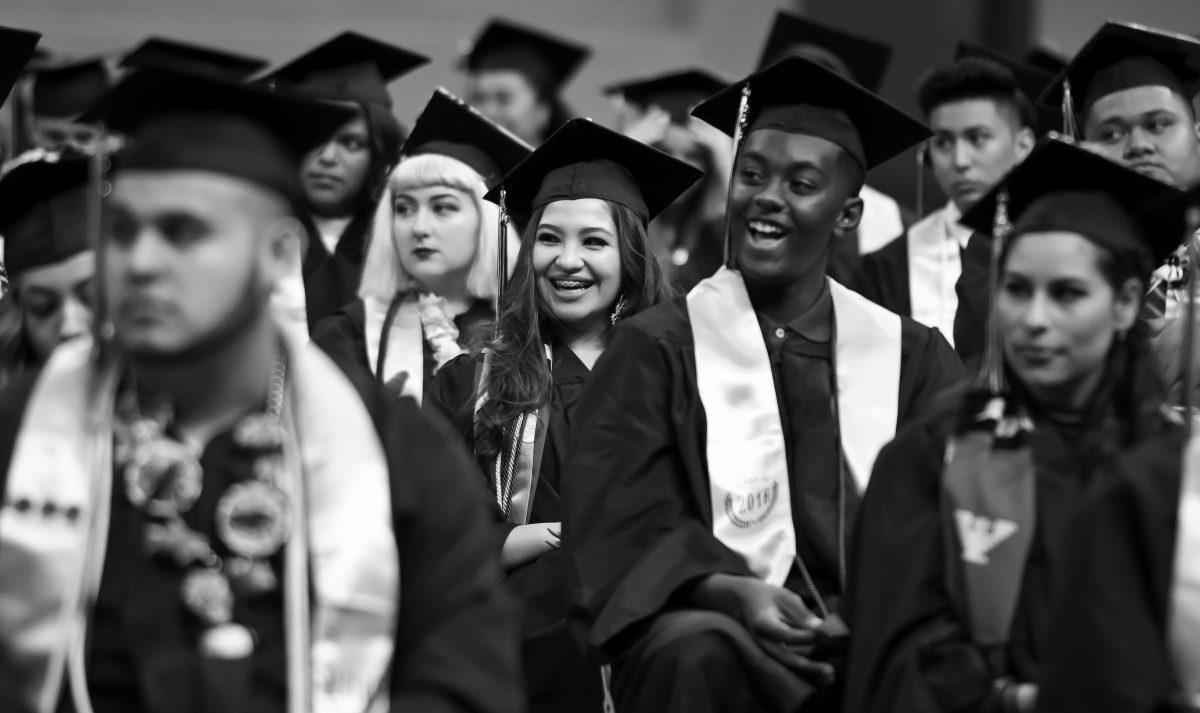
289, 302
394, 332
340, 621
1183, 623
929, 290
514, 470
988, 513
749, 486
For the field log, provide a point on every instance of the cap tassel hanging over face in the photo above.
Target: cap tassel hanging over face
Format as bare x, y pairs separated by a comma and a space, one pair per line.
739, 133
992, 373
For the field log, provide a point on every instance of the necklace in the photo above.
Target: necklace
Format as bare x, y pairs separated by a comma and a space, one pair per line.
163, 478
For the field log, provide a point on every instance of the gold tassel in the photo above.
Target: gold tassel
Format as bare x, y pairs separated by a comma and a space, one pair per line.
501, 258
739, 131
992, 374
1068, 112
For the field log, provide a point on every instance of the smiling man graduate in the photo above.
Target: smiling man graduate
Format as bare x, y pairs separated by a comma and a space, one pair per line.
202, 515
727, 436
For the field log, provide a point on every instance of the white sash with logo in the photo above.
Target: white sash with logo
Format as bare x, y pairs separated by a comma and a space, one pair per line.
61, 457
747, 458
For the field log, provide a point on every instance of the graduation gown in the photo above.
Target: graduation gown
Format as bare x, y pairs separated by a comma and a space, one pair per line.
1107, 645
971, 319
331, 279
342, 337
910, 651
559, 678
638, 531
882, 220
453, 644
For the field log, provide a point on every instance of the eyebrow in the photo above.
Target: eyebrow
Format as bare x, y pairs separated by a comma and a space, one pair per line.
792, 166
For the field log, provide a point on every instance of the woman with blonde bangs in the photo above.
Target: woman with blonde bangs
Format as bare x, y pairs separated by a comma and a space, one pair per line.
429, 279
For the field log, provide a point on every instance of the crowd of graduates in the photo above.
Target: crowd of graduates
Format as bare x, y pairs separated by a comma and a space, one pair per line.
306, 409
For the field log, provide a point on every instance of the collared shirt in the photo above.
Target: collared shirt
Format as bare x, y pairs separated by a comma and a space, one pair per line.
934, 264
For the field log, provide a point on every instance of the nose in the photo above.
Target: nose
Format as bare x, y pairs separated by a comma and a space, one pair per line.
327, 154
76, 319
422, 224
768, 199
1138, 143
569, 258
961, 156
1036, 315
143, 257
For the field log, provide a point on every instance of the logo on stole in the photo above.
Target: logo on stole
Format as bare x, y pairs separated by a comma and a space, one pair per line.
980, 535
750, 509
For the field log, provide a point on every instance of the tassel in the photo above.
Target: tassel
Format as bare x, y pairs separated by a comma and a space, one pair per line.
739, 130
501, 257
1189, 326
1068, 112
922, 158
992, 374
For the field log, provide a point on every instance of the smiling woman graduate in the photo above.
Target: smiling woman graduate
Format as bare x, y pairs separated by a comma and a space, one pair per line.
960, 539
726, 437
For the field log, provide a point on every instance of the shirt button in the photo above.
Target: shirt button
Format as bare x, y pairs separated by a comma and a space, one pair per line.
779, 333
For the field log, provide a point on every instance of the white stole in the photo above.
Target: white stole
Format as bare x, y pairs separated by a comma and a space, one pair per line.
345, 497
1183, 624
405, 340
934, 264
881, 220
749, 486
289, 305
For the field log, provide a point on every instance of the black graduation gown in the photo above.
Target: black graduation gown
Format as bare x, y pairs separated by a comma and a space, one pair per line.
456, 631
342, 338
558, 676
883, 277
970, 321
1107, 645
331, 280
910, 652
638, 531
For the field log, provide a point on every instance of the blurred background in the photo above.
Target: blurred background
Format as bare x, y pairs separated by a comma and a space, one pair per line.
630, 38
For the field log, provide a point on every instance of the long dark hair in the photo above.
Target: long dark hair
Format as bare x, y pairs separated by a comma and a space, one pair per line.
519, 377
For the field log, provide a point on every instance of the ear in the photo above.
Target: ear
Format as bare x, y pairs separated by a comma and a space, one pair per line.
282, 247
850, 215
1024, 142
1126, 303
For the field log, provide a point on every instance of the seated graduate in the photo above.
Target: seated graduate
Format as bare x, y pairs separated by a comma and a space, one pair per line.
429, 280
983, 124
725, 438
584, 265
862, 60
51, 264
687, 240
345, 176
960, 539
201, 514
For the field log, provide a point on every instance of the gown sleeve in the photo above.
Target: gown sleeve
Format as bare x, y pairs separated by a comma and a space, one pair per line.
340, 336
930, 370
882, 277
633, 531
1107, 648
456, 648
908, 653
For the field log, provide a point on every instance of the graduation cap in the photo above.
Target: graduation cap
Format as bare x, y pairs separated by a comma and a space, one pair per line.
1062, 187
585, 160
799, 96
1031, 80
42, 211
1122, 56
186, 57
68, 88
17, 47
861, 59
1045, 60
546, 60
676, 92
191, 122
449, 127
349, 67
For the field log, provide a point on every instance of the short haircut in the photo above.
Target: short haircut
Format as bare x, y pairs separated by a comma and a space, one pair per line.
975, 78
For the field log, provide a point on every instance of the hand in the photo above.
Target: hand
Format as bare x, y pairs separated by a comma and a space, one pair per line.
649, 127
776, 617
525, 543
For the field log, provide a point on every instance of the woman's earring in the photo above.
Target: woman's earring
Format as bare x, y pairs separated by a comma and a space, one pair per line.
618, 308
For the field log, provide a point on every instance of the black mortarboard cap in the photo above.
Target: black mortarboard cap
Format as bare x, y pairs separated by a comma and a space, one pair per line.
1031, 80
68, 88
676, 92
42, 211
164, 53
1045, 59
865, 60
17, 47
190, 122
586, 160
1062, 187
799, 96
349, 67
449, 127
1124, 55
546, 60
